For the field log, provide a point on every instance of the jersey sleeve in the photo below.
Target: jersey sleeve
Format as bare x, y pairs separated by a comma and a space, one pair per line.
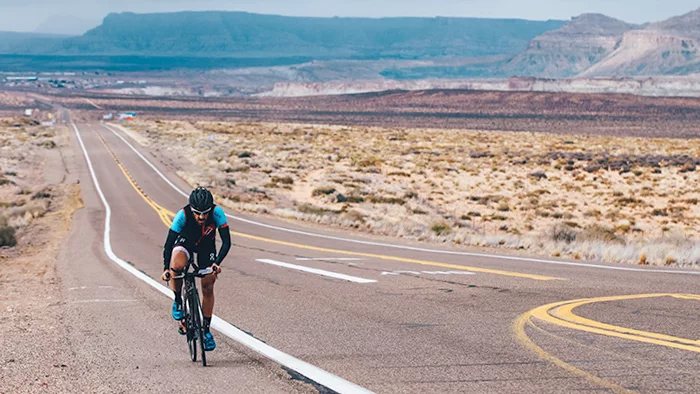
179, 222
220, 217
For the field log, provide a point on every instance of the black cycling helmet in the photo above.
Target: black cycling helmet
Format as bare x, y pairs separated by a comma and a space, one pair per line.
201, 199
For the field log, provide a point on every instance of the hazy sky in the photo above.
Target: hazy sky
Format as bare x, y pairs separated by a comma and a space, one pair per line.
27, 15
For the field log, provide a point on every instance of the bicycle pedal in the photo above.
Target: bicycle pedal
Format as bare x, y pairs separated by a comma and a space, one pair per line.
181, 329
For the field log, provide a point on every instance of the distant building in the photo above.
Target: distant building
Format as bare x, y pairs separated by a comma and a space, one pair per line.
28, 112
127, 116
21, 79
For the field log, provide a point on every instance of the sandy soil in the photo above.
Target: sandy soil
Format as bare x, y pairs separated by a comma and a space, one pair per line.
38, 205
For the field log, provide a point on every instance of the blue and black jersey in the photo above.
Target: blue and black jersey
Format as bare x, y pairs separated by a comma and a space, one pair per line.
196, 238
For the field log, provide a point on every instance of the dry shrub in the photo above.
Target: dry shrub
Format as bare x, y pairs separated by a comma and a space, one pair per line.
23, 215
314, 210
599, 232
323, 191
7, 233
355, 216
355, 198
560, 232
538, 175
440, 228
285, 180
643, 259
386, 200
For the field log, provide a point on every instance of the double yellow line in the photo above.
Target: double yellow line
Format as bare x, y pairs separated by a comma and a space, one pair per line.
166, 217
561, 314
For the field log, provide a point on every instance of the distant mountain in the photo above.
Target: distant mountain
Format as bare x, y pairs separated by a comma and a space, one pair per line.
444, 48
571, 49
240, 34
12, 42
67, 25
664, 48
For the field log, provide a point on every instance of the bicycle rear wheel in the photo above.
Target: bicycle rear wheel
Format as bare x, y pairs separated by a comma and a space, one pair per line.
199, 327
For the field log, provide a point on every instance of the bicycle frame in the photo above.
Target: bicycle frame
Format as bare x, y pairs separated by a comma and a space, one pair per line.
192, 320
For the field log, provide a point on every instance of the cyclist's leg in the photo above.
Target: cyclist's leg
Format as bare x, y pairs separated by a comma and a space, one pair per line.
178, 262
177, 265
206, 256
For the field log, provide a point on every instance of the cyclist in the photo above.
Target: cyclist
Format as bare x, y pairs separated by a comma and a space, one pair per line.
194, 231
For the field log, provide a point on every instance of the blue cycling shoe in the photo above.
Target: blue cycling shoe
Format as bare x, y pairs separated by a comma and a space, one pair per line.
177, 311
209, 343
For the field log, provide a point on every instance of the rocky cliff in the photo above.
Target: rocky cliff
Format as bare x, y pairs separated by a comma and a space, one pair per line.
668, 47
571, 49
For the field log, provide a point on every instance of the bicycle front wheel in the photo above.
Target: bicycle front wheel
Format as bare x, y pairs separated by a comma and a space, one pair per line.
198, 326
190, 311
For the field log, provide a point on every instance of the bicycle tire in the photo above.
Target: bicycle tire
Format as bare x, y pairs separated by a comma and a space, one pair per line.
190, 327
199, 327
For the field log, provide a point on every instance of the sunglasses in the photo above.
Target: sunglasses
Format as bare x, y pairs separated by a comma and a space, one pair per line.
200, 213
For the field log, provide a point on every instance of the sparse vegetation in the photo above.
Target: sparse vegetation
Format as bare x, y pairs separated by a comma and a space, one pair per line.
322, 191
7, 233
540, 189
440, 228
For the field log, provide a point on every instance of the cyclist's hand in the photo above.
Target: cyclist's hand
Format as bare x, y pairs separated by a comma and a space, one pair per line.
216, 269
166, 275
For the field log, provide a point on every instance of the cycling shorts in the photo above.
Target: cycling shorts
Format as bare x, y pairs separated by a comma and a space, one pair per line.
206, 254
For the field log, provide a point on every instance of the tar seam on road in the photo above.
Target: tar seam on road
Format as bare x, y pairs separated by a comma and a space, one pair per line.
402, 246
314, 373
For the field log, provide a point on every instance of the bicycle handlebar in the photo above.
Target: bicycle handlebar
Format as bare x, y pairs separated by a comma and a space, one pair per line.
199, 273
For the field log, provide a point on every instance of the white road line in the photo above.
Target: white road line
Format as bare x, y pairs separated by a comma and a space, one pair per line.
312, 372
329, 258
318, 271
493, 256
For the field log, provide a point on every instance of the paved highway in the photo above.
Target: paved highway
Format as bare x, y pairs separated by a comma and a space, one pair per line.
303, 309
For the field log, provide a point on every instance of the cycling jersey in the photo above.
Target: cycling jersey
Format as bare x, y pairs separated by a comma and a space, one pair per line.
196, 238
186, 225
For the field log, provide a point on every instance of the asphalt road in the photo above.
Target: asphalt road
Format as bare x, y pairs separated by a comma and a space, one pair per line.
405, 317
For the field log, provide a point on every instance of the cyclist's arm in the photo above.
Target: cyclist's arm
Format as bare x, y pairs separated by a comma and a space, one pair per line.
175, 230
222, 224
168, 248
225, 244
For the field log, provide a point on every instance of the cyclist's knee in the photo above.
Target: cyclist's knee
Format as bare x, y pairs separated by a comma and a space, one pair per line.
178, 260
208, 286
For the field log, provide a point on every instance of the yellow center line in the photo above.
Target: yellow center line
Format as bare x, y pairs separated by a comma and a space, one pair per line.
565, 312
561, 314
519, 327
164, 214
166, 217
401, 259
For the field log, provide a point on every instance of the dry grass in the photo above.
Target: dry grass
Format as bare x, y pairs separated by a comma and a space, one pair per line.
24, 193
600, 198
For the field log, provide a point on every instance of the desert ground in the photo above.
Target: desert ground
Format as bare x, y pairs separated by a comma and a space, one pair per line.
36, 205
601, 177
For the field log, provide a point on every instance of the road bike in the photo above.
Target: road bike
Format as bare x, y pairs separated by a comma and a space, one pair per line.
191, 323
